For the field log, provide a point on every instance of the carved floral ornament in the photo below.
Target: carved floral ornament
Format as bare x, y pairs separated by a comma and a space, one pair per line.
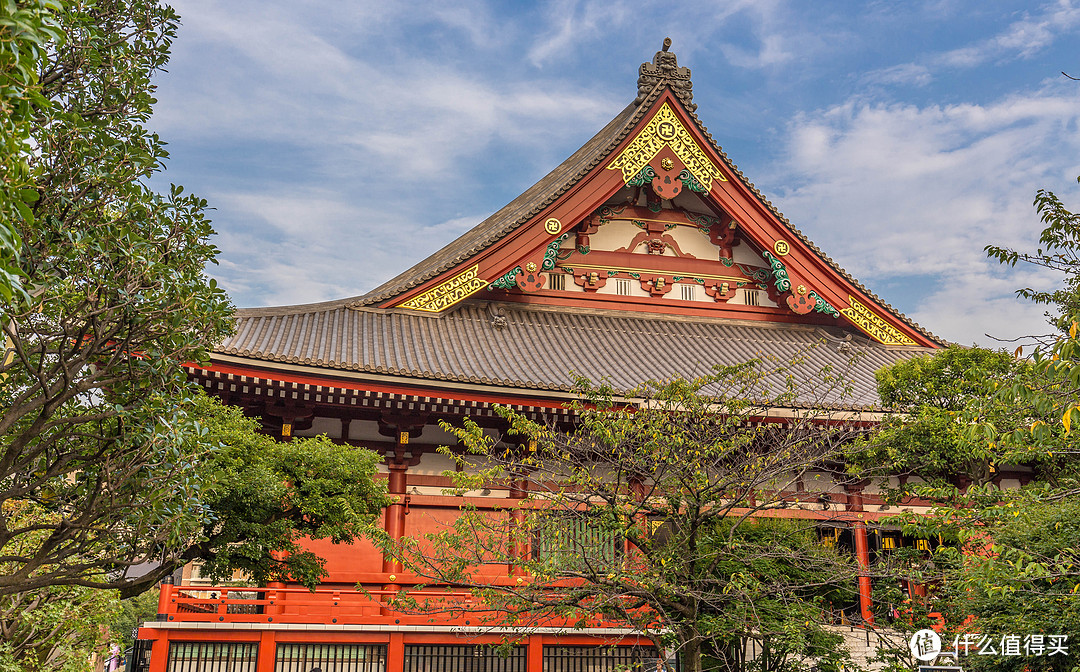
441, 297
665, 130
877, 328
802, 300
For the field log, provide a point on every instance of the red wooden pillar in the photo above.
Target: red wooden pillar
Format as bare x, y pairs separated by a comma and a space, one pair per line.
395, 653
862, 552
267, 652
164, 603
159, 652
535, 654
273, 597
637, 489
394, 520
519, 489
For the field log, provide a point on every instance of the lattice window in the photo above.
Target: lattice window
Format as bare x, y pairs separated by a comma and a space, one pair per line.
556, 281
622, 287
139, 658
574, 542
600, 658
751, 297
688, 292
212, 657
331, 657
463, 658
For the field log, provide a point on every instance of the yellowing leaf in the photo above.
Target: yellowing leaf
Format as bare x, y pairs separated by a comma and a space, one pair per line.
1067, 419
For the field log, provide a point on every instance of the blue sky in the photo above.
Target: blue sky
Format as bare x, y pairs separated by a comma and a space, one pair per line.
341, 142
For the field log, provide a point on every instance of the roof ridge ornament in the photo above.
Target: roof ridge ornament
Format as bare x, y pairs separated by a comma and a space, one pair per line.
665, 69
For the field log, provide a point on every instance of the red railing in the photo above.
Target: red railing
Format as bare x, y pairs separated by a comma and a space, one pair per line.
300, 605
342, 606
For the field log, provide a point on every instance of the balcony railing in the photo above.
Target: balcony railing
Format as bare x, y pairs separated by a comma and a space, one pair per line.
300, 605
326, 605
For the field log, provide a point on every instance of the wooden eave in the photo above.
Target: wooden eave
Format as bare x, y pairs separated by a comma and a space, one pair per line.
529, 349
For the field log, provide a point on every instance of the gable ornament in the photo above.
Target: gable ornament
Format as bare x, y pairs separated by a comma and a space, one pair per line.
665, 130
664, 68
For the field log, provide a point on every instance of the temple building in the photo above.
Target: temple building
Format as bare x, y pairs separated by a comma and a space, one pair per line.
645, 255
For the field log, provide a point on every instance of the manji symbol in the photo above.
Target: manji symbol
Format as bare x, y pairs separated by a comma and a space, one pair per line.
665, 130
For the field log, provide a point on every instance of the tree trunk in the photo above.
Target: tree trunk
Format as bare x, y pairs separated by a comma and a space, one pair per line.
691, 655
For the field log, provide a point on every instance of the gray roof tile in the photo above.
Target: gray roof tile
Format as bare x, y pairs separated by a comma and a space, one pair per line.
539, 348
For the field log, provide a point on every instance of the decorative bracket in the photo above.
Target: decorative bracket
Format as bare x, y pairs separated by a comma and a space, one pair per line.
530, 276
800, 299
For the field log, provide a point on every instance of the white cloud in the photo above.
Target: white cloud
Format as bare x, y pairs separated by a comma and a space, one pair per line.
899, 192
308, 245
1020, 39
982, 308
1023, 38
286, 83
905, 73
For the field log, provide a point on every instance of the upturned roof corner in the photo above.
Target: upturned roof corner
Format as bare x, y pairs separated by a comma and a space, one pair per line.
664, 70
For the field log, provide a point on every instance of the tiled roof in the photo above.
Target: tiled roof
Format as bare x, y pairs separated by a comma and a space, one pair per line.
518, 211
557, 182
538, 348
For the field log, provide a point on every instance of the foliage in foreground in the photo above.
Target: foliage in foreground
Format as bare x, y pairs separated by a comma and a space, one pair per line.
262, 499
92, 390
654, 516
26, 31
265, 497
1010, 566
52, 628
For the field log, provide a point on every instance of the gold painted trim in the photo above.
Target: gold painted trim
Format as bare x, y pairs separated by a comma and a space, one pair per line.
875, 327
703, 276
621, 218
441, 297
665, 130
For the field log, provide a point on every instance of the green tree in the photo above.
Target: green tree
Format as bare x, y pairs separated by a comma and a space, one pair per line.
92, 425
650, 515
128, 464
261, 499
52, 628
26, 30
1010, 567
933, 398
264, 497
